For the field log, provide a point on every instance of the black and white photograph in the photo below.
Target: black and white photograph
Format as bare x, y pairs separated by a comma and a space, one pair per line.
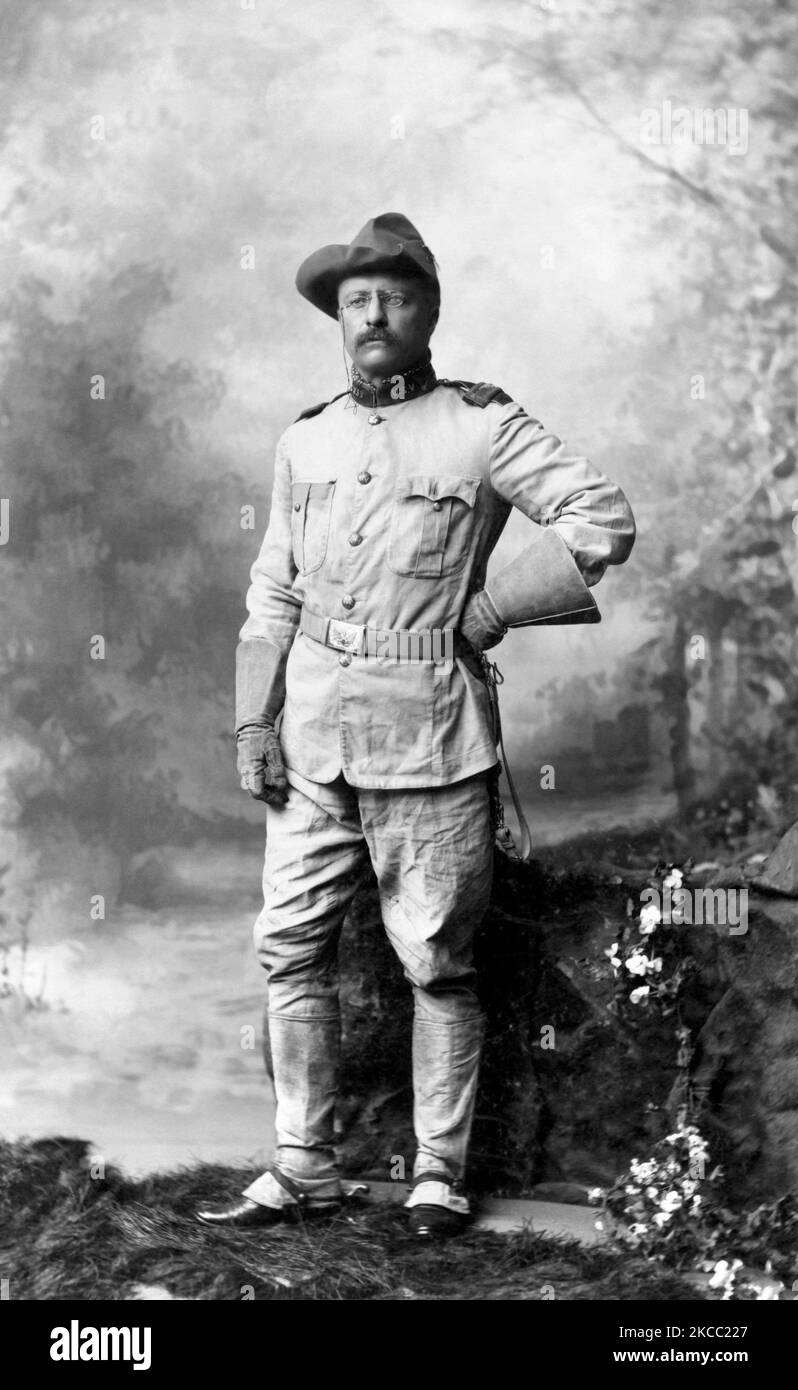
399, 698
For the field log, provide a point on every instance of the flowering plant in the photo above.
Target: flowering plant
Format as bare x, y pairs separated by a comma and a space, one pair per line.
669, 1206
656, 1204
648, 959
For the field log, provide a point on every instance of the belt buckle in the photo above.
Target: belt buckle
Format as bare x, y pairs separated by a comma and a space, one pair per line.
345, 637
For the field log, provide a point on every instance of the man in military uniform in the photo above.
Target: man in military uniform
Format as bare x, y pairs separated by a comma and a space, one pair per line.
363, 718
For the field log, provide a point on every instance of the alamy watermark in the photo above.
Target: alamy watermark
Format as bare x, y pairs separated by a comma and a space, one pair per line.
725, 126
76, 1343
723, 907
435, 644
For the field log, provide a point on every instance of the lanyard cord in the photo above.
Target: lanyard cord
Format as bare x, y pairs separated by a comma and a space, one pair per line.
494, 679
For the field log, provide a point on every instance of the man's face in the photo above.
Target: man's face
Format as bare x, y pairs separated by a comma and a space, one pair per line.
384, 338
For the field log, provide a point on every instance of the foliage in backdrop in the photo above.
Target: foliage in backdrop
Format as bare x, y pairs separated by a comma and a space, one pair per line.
638, 294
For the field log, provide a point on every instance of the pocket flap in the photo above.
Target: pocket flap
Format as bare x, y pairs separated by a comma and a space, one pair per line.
439, 486
304, 488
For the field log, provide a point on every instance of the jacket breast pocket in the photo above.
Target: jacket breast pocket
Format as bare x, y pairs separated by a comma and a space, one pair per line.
311, 507
432, 525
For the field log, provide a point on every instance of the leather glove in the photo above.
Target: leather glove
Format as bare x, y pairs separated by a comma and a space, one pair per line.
480, 623
542, 585
260, 683
260, 765
260, 692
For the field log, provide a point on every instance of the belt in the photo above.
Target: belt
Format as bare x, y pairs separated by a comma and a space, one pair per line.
436, 644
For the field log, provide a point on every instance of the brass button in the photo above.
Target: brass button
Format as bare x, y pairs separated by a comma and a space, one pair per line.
364, 477
375, 419
348, 601
355, 538
345, 660
436, 506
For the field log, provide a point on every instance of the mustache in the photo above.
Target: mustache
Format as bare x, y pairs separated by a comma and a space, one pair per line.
375, 335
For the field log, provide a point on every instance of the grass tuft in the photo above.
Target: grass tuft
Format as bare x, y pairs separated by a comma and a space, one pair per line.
67, 1235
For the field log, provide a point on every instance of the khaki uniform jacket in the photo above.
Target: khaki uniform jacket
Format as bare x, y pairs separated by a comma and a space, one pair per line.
399, 508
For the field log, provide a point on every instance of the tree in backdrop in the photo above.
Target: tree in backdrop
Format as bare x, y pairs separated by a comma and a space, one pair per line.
111, 538
708, 426
122, 587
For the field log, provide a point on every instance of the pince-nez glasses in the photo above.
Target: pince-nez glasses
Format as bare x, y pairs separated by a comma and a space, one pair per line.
355, 302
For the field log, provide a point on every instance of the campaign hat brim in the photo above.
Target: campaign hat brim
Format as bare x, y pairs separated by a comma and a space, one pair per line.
387, 244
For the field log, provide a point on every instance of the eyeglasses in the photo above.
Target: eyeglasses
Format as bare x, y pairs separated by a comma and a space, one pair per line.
361, 301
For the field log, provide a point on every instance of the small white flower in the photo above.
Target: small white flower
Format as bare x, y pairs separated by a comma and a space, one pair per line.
655, 965
661, 1218
637, 1229
767, 1292
674, 879
614, 958
651, 1193
641, 992
599, 1225
650, 918
596, 1194
632, 1191
696, 1144
636, 964
644, 1172
671, 1201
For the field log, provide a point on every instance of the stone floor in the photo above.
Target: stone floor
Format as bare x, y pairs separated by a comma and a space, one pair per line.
513, 1214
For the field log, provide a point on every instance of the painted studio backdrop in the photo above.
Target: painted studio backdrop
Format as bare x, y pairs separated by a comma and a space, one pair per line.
606, 188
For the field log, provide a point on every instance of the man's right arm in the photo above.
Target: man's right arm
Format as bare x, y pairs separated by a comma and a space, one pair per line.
264, 643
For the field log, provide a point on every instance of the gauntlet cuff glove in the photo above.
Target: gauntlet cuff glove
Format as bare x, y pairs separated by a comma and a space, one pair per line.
260, 683
542, 585
260, 695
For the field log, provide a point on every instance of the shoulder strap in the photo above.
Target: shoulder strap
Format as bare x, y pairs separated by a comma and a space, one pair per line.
317, 409
479, 393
